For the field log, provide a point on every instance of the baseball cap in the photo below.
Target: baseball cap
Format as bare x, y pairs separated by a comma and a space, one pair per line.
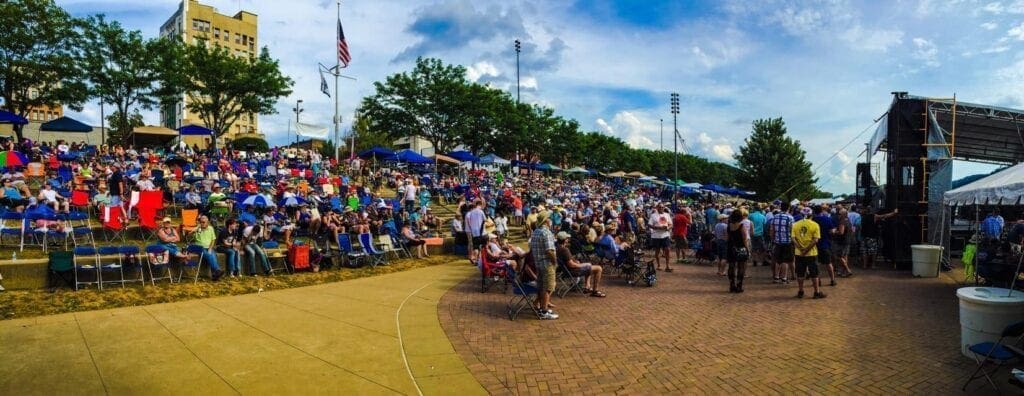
167, 219
562, 235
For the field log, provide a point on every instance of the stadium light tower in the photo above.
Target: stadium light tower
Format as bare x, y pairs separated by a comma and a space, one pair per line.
675, 134
518, 48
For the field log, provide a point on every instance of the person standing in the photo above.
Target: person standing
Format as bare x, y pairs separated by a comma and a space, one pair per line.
780, 230
843, 237
680, 230
825, 228
721, 248
542, 248
660, 224
993, 225
757, 221
475, 229
806, 233
869, 232
739, 251
410, 196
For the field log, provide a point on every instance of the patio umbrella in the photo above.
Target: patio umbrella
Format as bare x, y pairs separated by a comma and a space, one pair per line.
12, 158
292, 201
258, 200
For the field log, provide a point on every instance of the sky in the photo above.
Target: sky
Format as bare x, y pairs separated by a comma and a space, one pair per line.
826, 67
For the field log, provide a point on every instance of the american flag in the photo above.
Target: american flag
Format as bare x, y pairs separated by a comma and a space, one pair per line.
343, 55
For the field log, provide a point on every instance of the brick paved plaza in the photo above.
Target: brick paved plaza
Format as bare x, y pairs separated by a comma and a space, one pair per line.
881, 332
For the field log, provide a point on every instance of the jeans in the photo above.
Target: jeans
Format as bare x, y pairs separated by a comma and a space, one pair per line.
231, 255
410, 205
210, 256
251, 251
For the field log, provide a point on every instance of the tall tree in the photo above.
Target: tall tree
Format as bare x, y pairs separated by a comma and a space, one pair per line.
37, 44
222, 87
425, 102
367, 138
121, 67
121, 126
773, 164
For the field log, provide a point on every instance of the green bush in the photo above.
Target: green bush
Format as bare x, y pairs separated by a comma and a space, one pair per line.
256, 143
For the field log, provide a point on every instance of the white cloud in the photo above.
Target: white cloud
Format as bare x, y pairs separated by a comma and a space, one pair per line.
996, 50
926, 51
723, 152
528, 82
1016, 32
994, 7
604, 127
637, 131
798, 22
989, 25
481, 69
872, 39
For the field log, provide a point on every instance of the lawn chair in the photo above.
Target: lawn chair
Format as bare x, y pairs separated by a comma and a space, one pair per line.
111, 266
193, 265
524, 295
399, 243
147, 224
345, 246
163, 268
81, 228
996, 353
61, 267
12, 226
130, 260
189, 220
80, 201
567, 280
86, 260
277, 261
114, 223
374, 255
388, 246
491, 272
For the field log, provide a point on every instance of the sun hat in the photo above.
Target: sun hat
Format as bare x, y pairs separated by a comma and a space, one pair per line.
723, 216
491, 236
562, 235
542, 216
167, 219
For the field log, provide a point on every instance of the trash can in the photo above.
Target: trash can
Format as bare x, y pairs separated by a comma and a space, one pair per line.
926, 260
985, 312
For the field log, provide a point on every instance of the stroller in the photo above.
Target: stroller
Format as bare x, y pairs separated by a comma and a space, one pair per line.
705, 249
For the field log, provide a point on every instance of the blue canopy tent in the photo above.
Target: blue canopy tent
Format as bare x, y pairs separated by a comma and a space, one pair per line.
464, 156
195, 130
492, 159
409, 156
64, 125
7, 117
715, 188
377, 152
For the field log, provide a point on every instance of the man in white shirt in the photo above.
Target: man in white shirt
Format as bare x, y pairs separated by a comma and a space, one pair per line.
660, 224
410, 196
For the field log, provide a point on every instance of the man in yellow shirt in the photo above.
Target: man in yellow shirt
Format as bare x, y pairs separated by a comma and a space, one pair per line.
806, 234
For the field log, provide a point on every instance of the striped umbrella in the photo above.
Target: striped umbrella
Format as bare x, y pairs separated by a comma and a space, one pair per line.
258, 200
12, 158
292, 201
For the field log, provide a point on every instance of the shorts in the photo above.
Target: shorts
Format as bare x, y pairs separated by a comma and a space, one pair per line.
806, 267
757, 244
824, 258
115, 200
721, 248
869, 246
840, 250
584, 270
548, 278
681, 242
783, 253
659, 243
519, 213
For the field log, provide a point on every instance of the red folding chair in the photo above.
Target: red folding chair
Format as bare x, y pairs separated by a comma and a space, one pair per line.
80, 201
114, 222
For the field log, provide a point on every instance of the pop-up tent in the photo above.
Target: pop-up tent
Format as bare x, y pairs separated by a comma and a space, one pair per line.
464, 156
195, 130
376, 152
409, 156
152, 136
492, 159
1003, 188
7, 117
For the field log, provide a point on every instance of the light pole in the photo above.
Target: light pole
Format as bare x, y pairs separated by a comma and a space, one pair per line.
518, 48
662, 138
297, 109
675, 135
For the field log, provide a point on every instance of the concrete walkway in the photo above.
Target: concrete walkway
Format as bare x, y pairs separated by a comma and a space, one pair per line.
376, 335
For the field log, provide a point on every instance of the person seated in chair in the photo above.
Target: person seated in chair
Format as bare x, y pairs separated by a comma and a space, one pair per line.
192, 198
11, 197
49, 196
414, 241
591, 273
169, 239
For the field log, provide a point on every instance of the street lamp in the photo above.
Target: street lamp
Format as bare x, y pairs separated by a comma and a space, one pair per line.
297, 109
675, 135
518, 48
661, 140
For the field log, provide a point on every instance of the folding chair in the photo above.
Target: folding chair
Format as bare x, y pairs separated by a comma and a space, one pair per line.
62, 264
524, 295
163, 268
12, 226
110, 265
567, 281
345, 246
321, 254
996, 353
114, 222
189, 220
147, 224
192, 264
374, 256
388, 246
399, 244
135, 263
81, 228
277, 261
86, 260
491, 272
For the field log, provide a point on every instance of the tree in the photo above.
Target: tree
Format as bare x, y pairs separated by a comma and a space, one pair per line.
257, 144
426, 102
121, 126
773, 164
221, 87
367, 138
120, 67
37, 43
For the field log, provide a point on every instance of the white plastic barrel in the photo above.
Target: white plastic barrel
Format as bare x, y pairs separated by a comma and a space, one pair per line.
985, 312
926, 260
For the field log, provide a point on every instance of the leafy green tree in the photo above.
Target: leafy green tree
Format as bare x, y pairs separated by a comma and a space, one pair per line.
256, 143
773, 164
367, 138
120, 126
37, 41
121, 68
220, 86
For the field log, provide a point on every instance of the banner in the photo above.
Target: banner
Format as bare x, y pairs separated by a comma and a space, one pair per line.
311, 131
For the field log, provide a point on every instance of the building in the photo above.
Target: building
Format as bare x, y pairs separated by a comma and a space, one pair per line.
195, 23
415, 143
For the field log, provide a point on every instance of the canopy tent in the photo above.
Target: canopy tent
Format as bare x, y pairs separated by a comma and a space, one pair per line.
576, 170
7, 117
195, 130
646, 178
492, 159
464, 156
1003, 188
691, 185
635, 174
409, 156
376, 152
616, 174
152, 136
715, 188
65, 124
445, 158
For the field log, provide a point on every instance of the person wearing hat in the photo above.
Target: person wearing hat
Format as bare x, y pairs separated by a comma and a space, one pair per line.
542, 248
169, 237
806, 234
591, 273
413, 241
252, 236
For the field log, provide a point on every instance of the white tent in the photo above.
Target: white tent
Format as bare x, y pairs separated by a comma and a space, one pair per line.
1003, 188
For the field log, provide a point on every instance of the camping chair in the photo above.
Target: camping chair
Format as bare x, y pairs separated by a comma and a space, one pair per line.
114, 222
388, 246
374, 255
491, 272
192, 264
996, 353
345, 246
62, 263
110, 265
12, 226
81, 228
321, 255
86, 260
163, 268
147, 224
277, 261
65, 175
130, 259
399, 243
80, 200
523, 295
567, 280
189, 220
35, 170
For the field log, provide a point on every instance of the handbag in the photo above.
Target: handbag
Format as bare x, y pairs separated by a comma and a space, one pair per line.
741, 253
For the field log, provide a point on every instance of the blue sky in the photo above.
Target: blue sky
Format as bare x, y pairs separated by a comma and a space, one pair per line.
826, 67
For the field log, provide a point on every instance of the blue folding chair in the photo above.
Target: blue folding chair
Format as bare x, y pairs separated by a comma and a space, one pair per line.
135, 263
523, 295
164, 268
996, 354
86, 260
12, 226
345, 246
194, 262
373, 255
110, 265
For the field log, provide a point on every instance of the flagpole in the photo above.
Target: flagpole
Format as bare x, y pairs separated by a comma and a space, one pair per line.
337, 71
